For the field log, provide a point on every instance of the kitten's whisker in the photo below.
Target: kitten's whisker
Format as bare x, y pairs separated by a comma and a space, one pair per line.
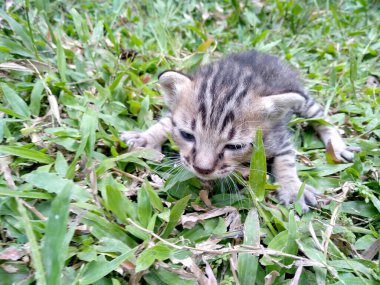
172, 157
228, 188
234, 188
181, 172
167, 173
239, 179
166, 164
266, 172
238, 193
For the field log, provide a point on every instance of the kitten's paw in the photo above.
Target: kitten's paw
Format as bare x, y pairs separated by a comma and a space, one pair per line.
134, 139
287, 195
342, 153
347, 154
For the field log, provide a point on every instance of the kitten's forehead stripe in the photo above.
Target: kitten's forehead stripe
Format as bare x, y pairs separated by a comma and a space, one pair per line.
193, 123
207, 74
202, 110
217, 81
241, 95
221, 87
202, 90
230, 94
230, 117
231, 133
220, 105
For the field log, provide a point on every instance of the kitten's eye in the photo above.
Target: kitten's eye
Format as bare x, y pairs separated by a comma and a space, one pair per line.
234, 146
187, 136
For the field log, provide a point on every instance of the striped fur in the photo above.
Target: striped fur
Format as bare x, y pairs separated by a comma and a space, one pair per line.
216, 111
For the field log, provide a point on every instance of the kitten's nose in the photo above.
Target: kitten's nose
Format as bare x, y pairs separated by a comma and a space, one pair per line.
203, 171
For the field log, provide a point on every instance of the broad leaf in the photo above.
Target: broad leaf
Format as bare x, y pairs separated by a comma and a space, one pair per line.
258, 168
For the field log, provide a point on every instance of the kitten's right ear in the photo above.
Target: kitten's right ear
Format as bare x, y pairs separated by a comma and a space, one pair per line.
173, 85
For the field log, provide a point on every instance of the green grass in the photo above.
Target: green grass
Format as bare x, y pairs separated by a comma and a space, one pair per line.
77, 208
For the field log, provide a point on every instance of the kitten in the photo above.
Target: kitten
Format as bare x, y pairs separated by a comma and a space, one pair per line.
215, 112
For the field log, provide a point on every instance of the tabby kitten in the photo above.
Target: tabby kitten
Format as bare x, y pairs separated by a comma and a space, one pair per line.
215, 112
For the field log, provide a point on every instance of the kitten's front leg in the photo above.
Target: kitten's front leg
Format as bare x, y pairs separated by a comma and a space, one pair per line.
285, 173
153, 137
330, 135
305, 106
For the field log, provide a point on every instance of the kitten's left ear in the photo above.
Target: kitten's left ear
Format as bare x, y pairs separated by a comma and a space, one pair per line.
173, 85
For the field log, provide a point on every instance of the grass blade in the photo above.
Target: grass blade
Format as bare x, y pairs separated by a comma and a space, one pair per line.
61, 59
34, 246
148, 256
18, 29
144, 208
97, 269
16, 102
35, 98
155, 200
115, 202
88, 126
54, 244
248, 263
24, 194
175, 215
291, 244
53, 183
26, 153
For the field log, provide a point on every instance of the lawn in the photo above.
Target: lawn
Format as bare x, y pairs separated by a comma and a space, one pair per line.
77, 208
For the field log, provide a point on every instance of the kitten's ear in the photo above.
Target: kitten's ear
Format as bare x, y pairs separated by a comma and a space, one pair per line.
173, 85
281, 104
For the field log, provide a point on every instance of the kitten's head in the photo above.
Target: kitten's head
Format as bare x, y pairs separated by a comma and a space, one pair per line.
213, 121
217, 110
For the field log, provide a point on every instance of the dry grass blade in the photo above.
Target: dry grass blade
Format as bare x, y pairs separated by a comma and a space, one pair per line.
296, 278
329, 228
136, 178
233, 267
6, 171
314, 237
51, 98
271, 277
372, 251
210, 274
34, 210
14, 66
12, 253
190, 263
35, 248
189, 220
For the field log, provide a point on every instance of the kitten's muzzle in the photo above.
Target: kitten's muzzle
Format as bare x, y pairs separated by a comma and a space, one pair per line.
203, 171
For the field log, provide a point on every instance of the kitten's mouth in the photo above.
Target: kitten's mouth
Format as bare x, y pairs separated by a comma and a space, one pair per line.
204, 177
216, 174
213, 176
